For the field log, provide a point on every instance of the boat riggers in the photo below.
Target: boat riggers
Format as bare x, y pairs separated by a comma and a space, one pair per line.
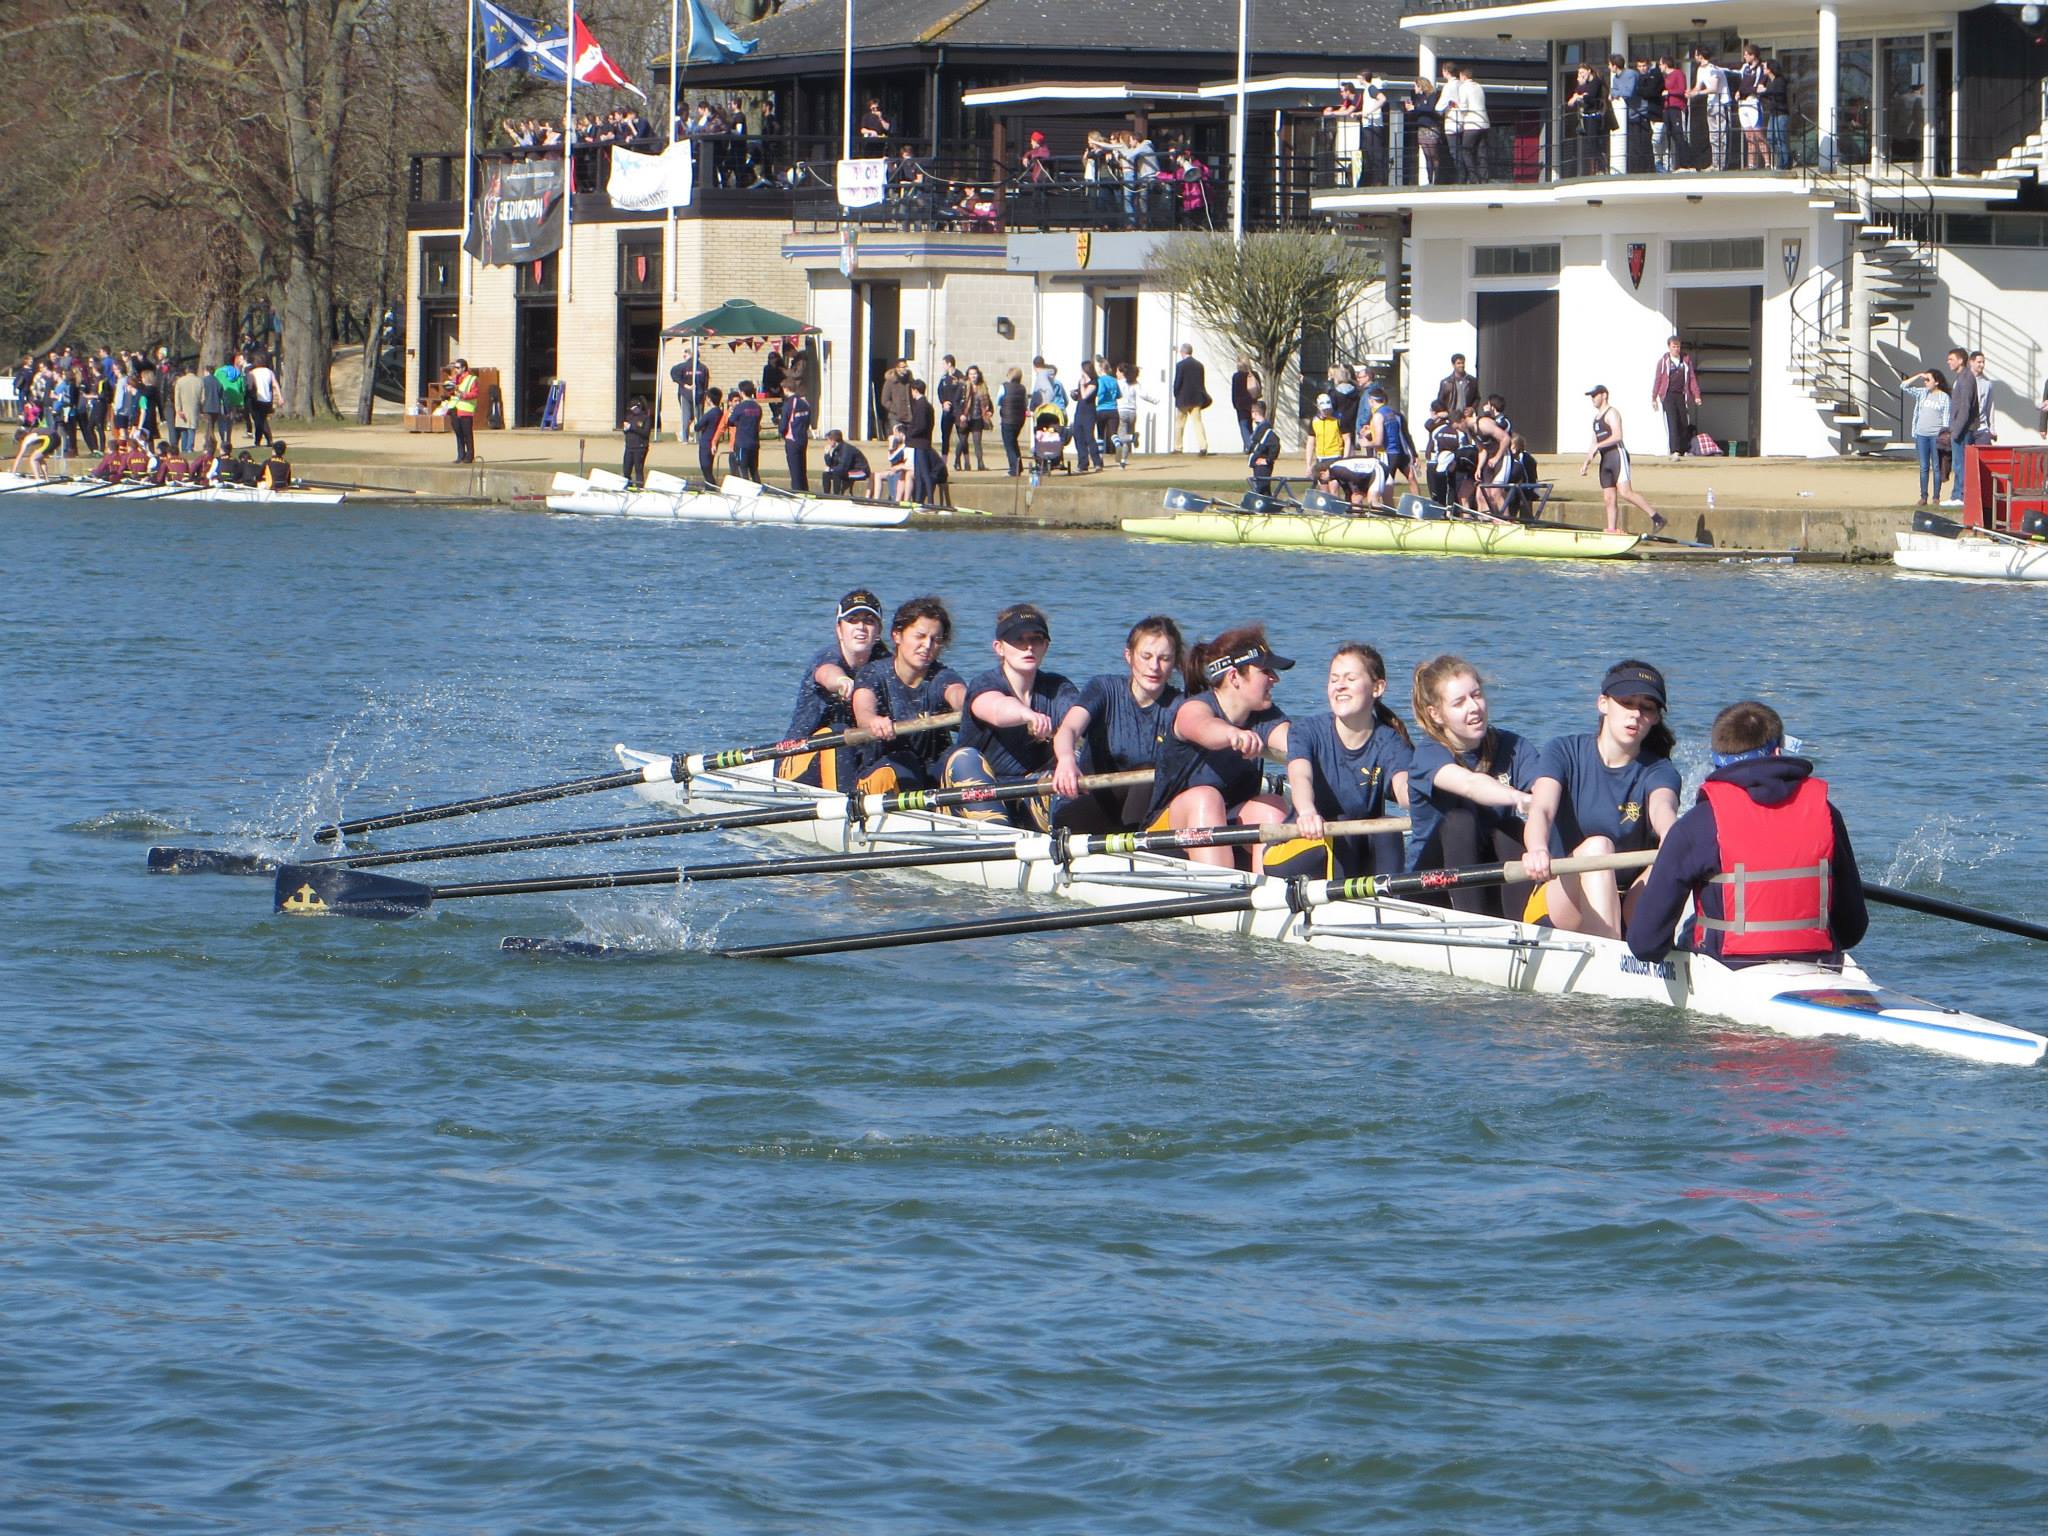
2033, 528
332, 889
1269, 895
189, 861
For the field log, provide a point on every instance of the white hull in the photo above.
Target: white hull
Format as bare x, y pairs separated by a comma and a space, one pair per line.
737, 502
102, 490
1792, 998
1971, 555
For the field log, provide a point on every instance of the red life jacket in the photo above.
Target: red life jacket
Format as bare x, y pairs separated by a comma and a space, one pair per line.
1775, 872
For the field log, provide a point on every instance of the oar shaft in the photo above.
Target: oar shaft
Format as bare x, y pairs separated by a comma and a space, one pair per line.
1422, 882
1934, 906
1230, 837
708, 874
482, 803
739, 757
983, 794
1029, 922
731, 821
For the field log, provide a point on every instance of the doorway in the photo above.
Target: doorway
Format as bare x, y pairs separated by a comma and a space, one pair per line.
883, 302
639, 355
1120, 329
1719, 327
536, 361
440, 335
1517, 359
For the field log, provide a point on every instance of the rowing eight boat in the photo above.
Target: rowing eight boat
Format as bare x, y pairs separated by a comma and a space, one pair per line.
1973, 554
1790, 997
1383, 535
115, 490
667, 499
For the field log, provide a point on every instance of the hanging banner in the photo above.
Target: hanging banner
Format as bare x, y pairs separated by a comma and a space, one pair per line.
644, 183
862, 183
518, 212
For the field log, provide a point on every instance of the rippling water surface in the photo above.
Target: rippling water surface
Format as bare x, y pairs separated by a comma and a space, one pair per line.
352, 1227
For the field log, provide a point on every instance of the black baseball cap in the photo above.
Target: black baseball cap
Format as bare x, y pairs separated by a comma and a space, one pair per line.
1634, 680
1260, 655
860, 601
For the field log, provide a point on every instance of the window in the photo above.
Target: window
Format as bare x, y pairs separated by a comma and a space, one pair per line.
438, 266
1516, 261
2012, 229
1715, 255
639, 265
534, 279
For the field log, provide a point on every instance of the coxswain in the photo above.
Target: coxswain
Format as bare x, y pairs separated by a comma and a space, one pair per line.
1763, 855
846, 467
824, 696
910, 682
1608, 447
34, 451
1468, 786
173, 468
277, 469
1611, 790
1210, 768
1346, 763
463, 388
638, 428
1011, 712
1118, 724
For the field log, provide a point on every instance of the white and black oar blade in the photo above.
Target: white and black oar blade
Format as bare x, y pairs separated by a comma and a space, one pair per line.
1186, 501
1264, 506
208, 861
2035, 525
1934, 523
312, 890
1322, 501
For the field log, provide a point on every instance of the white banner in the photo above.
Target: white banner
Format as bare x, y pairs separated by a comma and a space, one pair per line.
862, 183
644, 183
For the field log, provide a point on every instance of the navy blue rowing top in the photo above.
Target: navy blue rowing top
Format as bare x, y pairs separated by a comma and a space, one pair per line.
1513, 763
1600, 801
911, 756
1010, 749
815, 708
1183, 765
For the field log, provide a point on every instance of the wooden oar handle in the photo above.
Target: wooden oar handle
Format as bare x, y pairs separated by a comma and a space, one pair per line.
1287, 831
1513, 871
940, 722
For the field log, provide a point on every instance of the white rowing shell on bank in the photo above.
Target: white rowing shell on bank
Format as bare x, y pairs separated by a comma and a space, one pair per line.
1789, 997
664, 498
1972, 554
106, 490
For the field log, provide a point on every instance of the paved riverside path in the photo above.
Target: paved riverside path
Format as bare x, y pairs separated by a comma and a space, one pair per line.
1828, 506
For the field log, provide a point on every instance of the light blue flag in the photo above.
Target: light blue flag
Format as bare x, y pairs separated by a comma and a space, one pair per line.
712, 41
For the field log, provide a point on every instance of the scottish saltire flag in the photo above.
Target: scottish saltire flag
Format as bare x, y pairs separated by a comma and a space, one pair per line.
712, 41
519, 42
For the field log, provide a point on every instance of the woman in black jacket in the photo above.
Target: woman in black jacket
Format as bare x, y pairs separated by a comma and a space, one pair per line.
1011, 409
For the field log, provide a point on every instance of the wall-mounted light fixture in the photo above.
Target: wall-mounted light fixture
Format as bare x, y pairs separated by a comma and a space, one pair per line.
1004, 328
1504, 37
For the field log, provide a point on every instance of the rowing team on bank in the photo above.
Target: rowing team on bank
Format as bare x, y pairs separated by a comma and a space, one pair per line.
135, 460
1763, 852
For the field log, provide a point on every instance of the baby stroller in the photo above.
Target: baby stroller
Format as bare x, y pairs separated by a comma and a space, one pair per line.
1049, 438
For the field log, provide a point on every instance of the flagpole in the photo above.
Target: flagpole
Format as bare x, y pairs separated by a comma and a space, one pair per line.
846, 90
675, 70
568, 158
469, 147
1237, 128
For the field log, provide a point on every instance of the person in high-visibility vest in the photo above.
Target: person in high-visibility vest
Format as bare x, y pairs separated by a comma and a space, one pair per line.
462, 411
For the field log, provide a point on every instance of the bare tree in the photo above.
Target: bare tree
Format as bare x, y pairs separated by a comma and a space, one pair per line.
1262, 294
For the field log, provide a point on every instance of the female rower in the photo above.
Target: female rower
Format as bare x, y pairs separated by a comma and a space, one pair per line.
1011, 712
1468, 787
902, 686
1342, 764
1614, 790
1118, 723
824, 698
1209, 769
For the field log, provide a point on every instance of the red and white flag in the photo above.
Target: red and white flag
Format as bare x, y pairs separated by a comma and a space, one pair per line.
593, 66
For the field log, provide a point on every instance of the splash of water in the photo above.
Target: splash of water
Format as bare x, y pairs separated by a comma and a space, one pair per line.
1943, 840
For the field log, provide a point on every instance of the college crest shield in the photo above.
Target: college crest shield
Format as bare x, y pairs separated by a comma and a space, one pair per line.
639, 266
1081, 249
1638, 254
1790, 251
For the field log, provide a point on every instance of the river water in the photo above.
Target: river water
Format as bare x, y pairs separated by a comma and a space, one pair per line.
354, 1227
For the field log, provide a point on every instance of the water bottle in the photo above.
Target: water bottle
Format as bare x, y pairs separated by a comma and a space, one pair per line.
1710, 498
1034, 474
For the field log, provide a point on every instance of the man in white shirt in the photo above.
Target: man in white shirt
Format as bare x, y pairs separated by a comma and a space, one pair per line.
1711, 81
262, 386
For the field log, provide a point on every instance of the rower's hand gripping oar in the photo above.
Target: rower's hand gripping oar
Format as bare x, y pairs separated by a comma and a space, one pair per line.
185, 861
1268, 895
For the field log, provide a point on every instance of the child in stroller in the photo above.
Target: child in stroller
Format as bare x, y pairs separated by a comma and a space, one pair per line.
1049, 438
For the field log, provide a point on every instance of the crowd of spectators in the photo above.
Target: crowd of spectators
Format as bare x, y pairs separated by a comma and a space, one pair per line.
90, 401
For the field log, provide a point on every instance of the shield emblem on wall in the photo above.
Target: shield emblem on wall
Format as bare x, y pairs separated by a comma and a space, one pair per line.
1638, 254
1081, 249
639, 266
1791, 254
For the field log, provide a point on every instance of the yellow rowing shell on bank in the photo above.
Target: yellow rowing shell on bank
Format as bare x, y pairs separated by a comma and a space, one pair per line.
1383, 535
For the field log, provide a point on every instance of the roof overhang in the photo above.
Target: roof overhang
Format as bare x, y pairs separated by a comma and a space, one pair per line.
1080, 92
1596, 191
1574, 20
